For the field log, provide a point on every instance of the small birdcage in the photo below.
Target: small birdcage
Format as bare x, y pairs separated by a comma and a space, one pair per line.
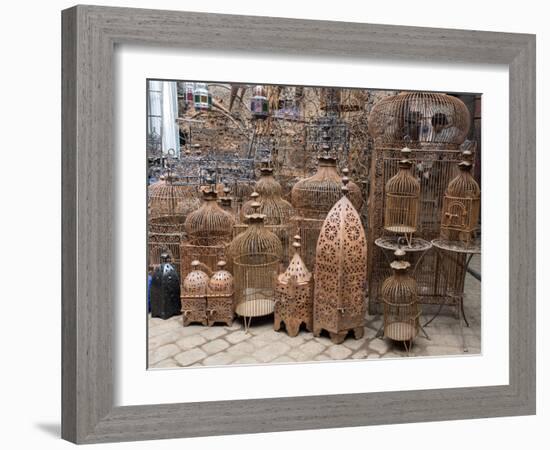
312, 199
402, 198
259, 104
340, 272
461, 205
294, 295
203, 98
277, 211
169, 204
193, 295
401, 308
256, 254
209, 231
220, 295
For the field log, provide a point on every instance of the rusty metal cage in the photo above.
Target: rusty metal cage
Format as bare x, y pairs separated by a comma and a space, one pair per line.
402, 199
220, 296
313, 198
294, 295
209, 232
169, 204
256, 255
277, 211
461, 205
340, 273
401, 308
435, 155
193, 295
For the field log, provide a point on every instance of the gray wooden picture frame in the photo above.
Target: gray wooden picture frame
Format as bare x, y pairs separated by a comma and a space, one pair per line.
90, 34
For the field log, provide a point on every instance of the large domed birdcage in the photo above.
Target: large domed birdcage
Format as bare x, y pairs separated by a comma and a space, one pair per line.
312, 199
340, 273
402, 201
277, 211
256, 255
209, 231
434, 127
420, 118
169, 203
193, 295
294, 295
461, 205
400, 297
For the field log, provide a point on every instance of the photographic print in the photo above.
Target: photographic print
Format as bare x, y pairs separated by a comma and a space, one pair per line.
301, 224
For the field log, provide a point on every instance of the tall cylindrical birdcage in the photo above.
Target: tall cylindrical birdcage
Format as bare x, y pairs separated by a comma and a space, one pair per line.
277, 210
402, 199
169, 203
340, 273
256, 254
401, 308
209, 231
461, 205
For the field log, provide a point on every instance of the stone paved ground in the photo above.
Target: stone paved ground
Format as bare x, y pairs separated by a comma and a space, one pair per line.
172, 345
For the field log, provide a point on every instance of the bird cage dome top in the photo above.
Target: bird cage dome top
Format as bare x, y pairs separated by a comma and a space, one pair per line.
268, 193
420, 117
403, 183
464, 185
210, 224
296, 269
196, 281
313, 197
167, 198
221, 281
399, 288
256, 239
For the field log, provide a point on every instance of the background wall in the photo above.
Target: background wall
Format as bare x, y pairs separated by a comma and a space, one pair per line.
31, 208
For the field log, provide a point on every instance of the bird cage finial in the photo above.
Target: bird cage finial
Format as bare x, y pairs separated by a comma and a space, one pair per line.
345, 181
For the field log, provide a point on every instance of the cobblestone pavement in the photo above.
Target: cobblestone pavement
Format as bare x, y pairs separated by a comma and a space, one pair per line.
172, 345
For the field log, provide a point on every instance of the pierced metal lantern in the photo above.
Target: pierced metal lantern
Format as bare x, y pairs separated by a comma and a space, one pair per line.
312, 199
259, 104
401, 308
165, 290
340, 272
256, 254
277, 211
202, 97
402, 202
220, 295
209, 231
420, 117
169, 204
193, 295
294, 295
461, 205
188, 92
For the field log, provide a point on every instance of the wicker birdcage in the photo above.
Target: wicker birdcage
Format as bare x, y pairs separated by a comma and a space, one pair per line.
220, 296
209, 232
420, 117
340, 273
256, 254
434, 157
294, 295
193, 295
169, 204
401, 308
277, 211
402, 198
312, 199
461, 205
